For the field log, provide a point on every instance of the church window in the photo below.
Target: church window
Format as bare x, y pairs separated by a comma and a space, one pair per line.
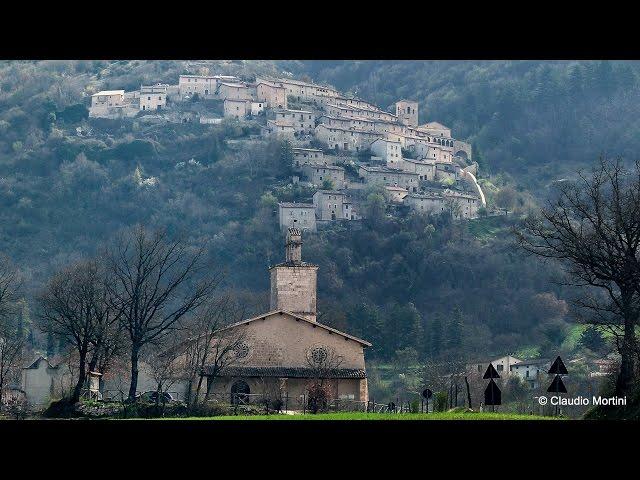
319, 355
241, 350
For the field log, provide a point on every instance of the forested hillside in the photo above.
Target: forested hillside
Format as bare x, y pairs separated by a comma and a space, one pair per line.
438, 287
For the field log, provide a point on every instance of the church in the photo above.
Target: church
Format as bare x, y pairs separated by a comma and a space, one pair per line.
286, 349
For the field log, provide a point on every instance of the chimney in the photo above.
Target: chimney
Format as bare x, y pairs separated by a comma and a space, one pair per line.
293, 246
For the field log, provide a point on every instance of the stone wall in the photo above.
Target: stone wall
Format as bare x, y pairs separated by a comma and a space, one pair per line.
293, 288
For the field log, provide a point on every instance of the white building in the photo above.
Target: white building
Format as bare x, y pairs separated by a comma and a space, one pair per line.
299, 215
533, 372
389, 150
257, 108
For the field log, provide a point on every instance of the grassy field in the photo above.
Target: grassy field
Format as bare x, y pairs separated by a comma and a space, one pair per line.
379, 416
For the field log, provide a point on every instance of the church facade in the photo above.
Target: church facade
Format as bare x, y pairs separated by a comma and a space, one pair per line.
285, 351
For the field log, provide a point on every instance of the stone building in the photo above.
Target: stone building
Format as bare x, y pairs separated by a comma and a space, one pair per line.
284, 130
298, 215
459, 204
257, 108
205, 86
153, 97
330, 205
302, 156
384, 176
110, 104
426, 169
435, 129
407, 112
234, 108
304, 90
396, 194
343, 139
389, 150
233, 90
275, 96
318, 173
339, 110
286, 350
303, 121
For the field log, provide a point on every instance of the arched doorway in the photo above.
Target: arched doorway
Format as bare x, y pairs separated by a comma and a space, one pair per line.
240, 393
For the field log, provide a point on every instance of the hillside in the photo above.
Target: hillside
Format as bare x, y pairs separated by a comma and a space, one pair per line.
536, 121
439, 288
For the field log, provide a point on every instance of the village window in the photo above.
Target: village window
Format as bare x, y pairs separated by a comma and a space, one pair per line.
500, 368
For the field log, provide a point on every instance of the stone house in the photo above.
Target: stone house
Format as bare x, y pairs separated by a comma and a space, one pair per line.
342, 139
257, 108
385, 176
317, 173
303, 121
274, 95
305, 90
425, 169
297, 215
329, 205
283, 349
110, 104
284, 130
465, 204
501, 364
233, 90
446, 171
336, 110
389, 150
153, 97
396, 194
205, 86
435, 129
432, 202
234, 108
302, 156
461, 205
407, 112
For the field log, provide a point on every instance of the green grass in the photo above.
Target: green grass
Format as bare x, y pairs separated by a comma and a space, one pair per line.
379, 416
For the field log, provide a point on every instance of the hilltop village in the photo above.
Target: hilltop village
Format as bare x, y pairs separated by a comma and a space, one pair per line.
341, 145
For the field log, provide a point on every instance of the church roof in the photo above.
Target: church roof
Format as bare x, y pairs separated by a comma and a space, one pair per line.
299, 318
287, 372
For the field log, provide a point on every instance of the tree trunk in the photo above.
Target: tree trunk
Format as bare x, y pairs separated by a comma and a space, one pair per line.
198, 388
624, 382
466, 381
82, 376
133, 387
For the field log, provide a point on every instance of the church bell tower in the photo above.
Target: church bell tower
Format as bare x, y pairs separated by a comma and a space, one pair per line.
294, 282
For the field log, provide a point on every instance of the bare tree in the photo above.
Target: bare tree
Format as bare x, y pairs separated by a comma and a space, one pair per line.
155, 286
593, 229
73, 307
322, 363
166, 369
12, 343
12, 340
214, 346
